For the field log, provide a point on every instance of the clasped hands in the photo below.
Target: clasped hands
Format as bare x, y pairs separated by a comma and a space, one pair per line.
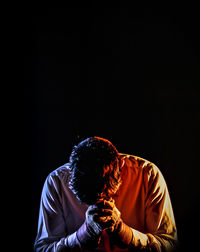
103, 216
99, 217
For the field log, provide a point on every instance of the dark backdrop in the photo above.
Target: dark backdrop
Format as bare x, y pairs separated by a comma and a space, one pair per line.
127, 74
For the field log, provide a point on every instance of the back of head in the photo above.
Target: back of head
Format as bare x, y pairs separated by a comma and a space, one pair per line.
94, 170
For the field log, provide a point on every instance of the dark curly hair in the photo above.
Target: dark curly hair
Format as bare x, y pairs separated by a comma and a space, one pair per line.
94, 167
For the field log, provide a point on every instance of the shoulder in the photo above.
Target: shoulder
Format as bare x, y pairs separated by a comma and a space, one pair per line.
56, 177
138, 162
148, 168
59, 173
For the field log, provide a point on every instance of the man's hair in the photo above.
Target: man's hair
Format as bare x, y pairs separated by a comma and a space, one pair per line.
94, 167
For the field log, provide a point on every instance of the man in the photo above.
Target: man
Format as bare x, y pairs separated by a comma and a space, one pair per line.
105, 201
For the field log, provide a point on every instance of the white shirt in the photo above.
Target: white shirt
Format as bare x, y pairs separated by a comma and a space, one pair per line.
143, 200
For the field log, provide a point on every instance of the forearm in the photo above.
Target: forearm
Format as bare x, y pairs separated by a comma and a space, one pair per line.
153, 242
87, 236
49, 245
162, 242
82, 238
125, 236
53, 245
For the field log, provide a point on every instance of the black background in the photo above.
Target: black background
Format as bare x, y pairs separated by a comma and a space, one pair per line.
127, 74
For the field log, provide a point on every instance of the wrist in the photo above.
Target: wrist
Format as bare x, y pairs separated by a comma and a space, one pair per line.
86, 236
72, 241
125, 233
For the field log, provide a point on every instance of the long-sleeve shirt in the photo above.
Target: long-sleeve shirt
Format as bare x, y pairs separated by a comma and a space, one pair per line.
143, 200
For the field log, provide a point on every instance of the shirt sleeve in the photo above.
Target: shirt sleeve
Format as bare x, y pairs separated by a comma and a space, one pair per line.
51, 231
161, 229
